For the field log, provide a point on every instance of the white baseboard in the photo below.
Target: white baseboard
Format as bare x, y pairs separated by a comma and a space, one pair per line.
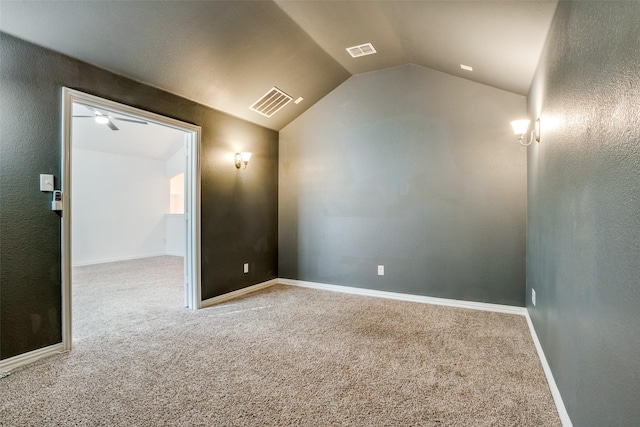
555, 392
178, 254
240, 292
14, 362
117, 259
500, 308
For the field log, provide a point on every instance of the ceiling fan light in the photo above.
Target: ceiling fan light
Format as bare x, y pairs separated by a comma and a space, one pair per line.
103, 120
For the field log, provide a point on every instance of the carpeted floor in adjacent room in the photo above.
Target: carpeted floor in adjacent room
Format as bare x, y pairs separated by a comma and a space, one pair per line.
283, 356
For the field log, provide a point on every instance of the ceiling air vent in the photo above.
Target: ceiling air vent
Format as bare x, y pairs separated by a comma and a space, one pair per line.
271, 102
361, 50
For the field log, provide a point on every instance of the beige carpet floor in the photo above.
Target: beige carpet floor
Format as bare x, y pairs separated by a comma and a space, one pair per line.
284, 356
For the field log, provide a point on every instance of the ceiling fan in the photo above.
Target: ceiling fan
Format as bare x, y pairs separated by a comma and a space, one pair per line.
106, 119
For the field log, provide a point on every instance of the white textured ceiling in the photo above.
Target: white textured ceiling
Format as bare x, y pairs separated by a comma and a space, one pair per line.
226, 54
501, 40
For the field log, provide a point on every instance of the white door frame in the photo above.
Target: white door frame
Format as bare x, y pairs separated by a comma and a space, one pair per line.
192, 197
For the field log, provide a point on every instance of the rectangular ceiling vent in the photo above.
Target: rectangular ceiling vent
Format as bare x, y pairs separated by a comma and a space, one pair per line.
271, 102
361, 50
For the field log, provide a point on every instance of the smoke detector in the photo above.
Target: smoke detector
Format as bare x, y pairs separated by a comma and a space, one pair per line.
361, 50
271, 102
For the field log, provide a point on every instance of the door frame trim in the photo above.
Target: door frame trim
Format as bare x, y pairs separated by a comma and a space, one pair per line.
192, 211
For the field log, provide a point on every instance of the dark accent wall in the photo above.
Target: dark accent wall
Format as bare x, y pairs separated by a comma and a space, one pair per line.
583, 248
412, 169
239, 208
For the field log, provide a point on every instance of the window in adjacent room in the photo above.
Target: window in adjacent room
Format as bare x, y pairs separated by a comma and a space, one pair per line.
176, 194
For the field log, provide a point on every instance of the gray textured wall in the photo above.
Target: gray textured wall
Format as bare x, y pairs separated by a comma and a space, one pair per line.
413, 169
583, 249
239, 208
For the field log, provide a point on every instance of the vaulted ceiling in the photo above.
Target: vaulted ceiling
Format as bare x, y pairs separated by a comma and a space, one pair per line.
227, 54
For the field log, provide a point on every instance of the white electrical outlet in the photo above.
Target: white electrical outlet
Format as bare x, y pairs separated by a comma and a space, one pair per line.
533, 296
246, 267
381, 270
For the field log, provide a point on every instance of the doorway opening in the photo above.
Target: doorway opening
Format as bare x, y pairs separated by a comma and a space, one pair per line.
131, 202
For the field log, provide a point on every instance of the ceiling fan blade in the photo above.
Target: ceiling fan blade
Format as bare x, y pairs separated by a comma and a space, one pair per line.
96, 112
111, 125
122, 119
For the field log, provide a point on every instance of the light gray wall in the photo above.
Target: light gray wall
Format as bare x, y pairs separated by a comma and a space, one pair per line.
412, 169
176, 164
176, 227
583, 248
119, 205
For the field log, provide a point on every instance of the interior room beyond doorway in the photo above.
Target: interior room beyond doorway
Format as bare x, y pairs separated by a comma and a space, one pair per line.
129, 224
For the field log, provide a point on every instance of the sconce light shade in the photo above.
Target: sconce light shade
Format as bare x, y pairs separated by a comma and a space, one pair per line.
242, 159
520, 127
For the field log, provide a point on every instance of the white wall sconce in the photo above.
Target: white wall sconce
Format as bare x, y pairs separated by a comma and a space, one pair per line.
520, 129
242, 159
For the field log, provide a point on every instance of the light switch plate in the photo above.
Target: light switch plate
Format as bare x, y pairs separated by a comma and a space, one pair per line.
46, 182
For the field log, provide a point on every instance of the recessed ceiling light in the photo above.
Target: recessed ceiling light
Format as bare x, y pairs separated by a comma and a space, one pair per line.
361, 50
466, 67
298, 101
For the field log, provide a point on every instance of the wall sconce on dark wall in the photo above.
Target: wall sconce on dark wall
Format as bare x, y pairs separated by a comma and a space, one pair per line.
242, 159
520, 129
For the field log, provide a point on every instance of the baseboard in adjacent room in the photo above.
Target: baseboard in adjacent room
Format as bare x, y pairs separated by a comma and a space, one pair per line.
499, 308
117, 259
240, 292
178, 254
7, 365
